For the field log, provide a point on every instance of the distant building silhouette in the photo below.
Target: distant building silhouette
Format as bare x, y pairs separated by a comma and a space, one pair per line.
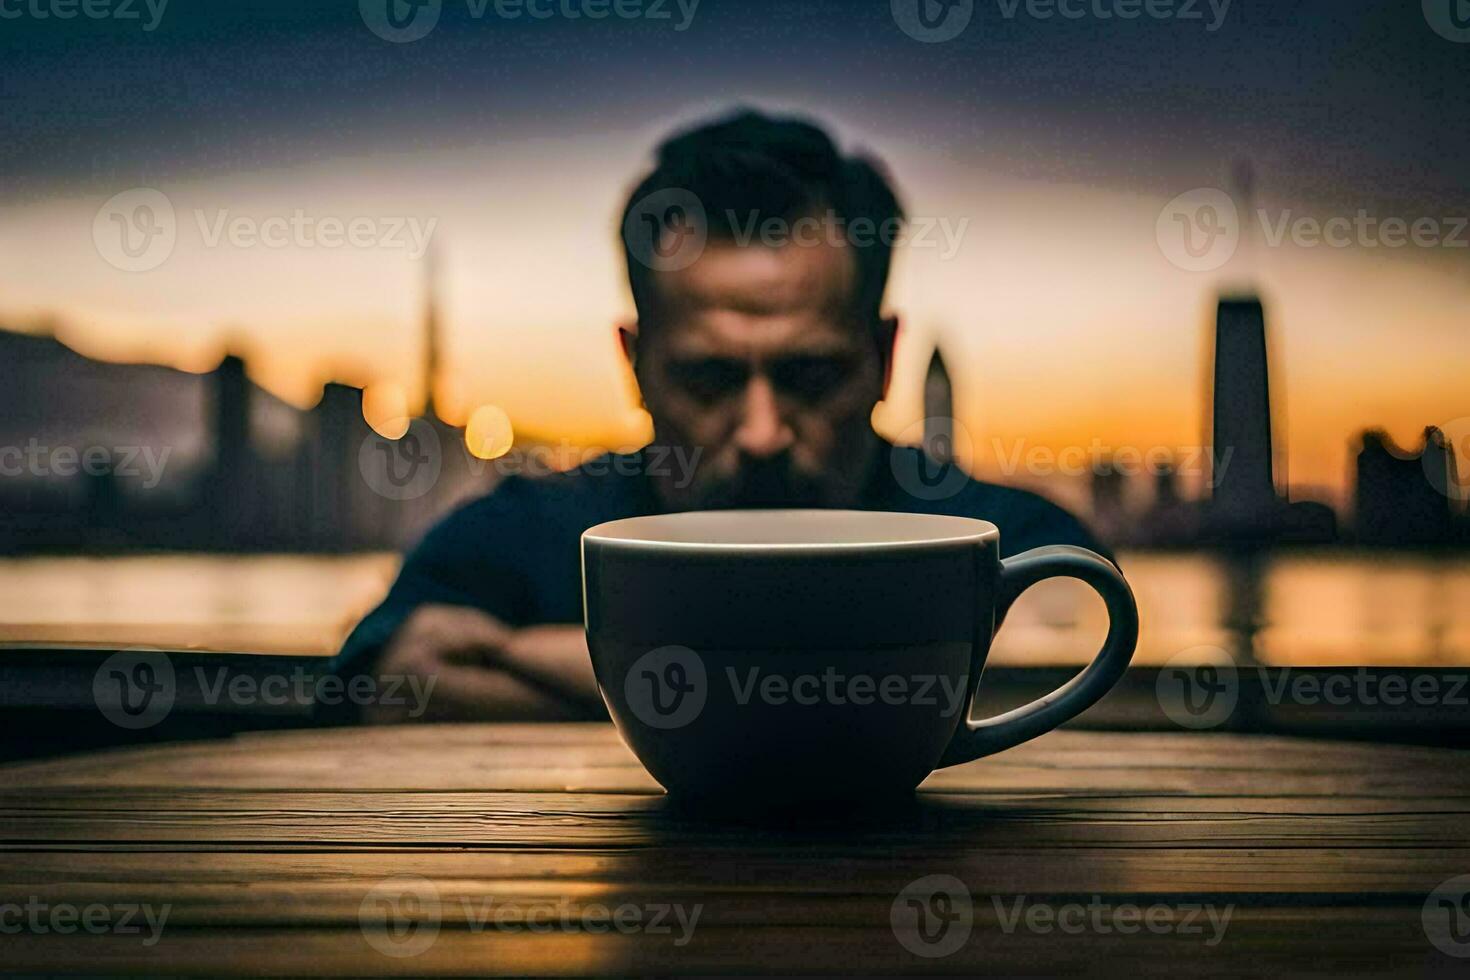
231, 491
1404, 499
1111, 516
1242, 472
217, 486
246, 471
433, 332
938, 410
462, 475
1170, 520
1244, 508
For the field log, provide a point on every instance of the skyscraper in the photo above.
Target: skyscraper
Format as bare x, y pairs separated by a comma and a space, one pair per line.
1245, 508
232, 498
1243, 478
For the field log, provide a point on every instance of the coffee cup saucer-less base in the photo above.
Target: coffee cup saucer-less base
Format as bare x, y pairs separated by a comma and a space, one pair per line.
771, 660
786, 727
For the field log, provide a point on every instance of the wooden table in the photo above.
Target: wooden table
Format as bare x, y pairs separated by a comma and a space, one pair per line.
515, 848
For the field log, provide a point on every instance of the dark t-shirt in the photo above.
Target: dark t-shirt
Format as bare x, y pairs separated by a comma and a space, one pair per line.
516, 552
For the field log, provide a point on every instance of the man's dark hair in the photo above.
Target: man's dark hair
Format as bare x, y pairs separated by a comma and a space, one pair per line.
748, 167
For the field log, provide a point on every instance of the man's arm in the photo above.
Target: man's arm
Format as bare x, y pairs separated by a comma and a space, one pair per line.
555, 657
451, 620
472, 667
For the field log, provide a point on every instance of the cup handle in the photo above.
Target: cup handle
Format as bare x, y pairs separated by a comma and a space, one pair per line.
1018, 573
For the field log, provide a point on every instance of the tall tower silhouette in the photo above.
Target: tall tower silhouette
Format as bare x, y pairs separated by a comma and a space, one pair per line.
230, 518
230, 416
938, 411
1242, 475
1244, 482
458, 478
433, 341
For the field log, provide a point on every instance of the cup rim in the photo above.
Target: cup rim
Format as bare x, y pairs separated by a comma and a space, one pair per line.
643, 533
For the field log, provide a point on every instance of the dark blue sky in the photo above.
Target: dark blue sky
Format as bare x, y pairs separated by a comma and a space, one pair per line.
1336, 100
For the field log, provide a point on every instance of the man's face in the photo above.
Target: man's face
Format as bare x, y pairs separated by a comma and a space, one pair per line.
757, 361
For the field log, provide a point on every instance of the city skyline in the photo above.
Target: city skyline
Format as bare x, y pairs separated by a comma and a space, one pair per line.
1052, 148
264, 475
593, 400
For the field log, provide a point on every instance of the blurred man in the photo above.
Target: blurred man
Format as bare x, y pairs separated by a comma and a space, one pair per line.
757, 255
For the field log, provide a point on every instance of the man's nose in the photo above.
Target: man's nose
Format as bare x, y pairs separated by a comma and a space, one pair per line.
762, 431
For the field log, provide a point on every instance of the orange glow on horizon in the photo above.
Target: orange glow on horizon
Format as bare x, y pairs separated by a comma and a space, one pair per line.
1063, 323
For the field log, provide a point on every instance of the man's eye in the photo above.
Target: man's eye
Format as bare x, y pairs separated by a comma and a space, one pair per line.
811, 378
710, 379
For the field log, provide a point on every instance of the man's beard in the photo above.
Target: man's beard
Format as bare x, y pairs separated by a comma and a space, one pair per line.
773, 481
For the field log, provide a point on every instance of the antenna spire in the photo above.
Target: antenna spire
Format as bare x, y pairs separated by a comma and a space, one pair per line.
431, 326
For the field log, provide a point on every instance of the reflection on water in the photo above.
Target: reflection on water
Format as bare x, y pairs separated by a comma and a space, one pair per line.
1299, 608
265, 604
1292, 608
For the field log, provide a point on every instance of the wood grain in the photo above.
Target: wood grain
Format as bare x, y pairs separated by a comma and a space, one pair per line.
267, 847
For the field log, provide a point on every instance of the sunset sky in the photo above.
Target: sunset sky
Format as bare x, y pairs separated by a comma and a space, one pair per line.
1049, 148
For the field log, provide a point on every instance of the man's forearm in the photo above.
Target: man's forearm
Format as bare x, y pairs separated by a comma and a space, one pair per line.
555, 658
474, 667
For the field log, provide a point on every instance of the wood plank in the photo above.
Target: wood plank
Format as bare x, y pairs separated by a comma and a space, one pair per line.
602, 820
411, 773
527, 903
253, 879
1260, 943
590, 757
1324, 853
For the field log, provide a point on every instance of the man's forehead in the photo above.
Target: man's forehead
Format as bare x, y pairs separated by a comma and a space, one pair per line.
757, 280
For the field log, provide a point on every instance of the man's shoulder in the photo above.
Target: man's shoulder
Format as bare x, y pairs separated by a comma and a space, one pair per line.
602, 489
1026, 519
609, 486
